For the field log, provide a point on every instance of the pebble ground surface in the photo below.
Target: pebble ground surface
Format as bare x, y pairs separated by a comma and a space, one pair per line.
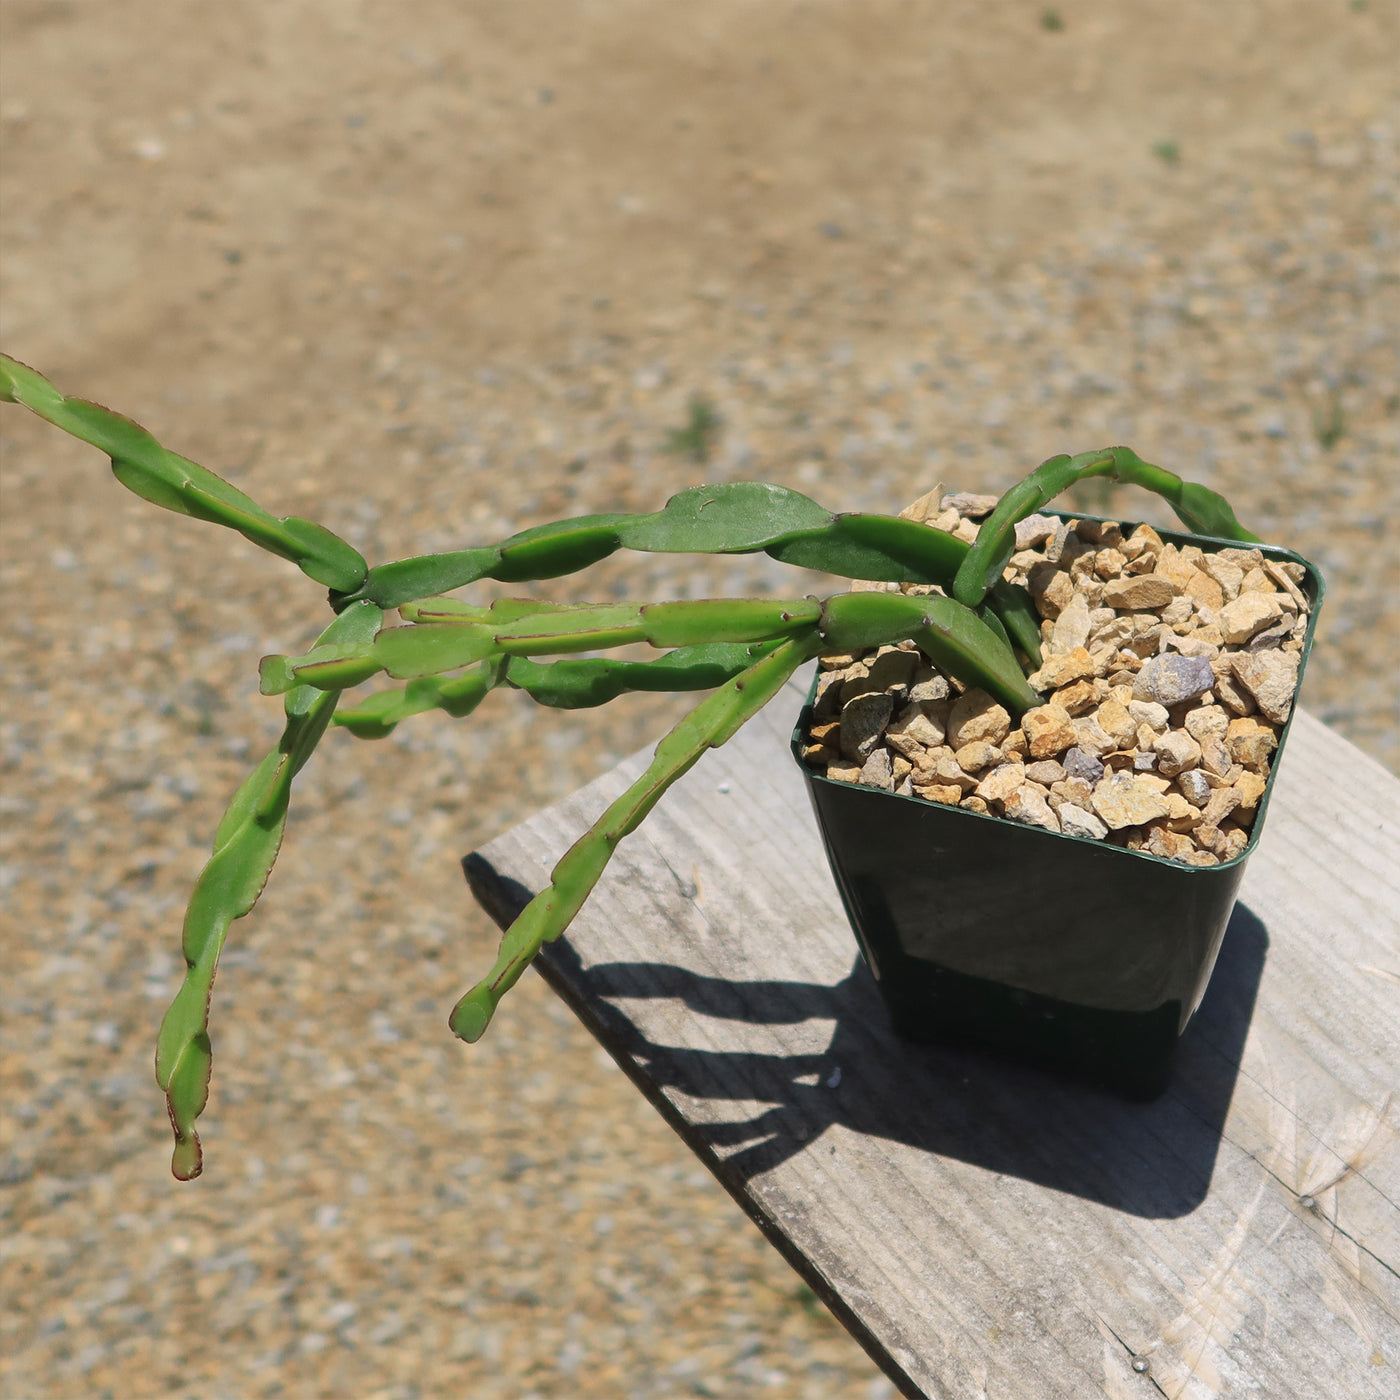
436, 273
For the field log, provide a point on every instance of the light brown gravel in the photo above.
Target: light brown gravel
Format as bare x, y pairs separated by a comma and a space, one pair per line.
1152, 680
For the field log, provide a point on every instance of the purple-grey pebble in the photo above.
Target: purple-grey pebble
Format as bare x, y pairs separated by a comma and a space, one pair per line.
1169, 679
1078, 763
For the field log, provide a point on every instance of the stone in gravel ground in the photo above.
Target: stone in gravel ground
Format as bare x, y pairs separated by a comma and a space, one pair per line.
1120, 800
863, 721
1075, 821
1172, 678
975, 715
1271, 677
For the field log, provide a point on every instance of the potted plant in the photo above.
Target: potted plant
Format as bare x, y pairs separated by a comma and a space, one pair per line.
1057, 889
969, 608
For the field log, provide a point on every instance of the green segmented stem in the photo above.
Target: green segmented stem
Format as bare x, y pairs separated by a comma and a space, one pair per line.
1199, 508
1011, 606
1009, 610
883, 548
950, 633
954, 636
562, 685
430, 649
975, 652
988, 616
455, 610
578, 685
245, 849
737, 518
711, 723
743, 517
158, 475
377, 715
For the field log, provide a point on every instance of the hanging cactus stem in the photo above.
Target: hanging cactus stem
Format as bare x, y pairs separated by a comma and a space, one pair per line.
715, 720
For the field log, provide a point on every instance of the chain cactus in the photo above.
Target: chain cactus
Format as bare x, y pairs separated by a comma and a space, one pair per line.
451, 654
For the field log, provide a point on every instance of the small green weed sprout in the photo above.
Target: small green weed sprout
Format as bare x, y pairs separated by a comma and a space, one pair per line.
1330, 422
697, 439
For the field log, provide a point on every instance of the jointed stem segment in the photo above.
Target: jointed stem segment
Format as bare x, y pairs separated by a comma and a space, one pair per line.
245, 848
975, 651
157, 474
711, 723
1199, 508
562, 685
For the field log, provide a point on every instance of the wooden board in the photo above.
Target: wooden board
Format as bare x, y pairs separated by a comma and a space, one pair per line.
986, 1231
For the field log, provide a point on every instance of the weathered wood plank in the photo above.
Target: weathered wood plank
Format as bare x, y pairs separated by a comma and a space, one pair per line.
985, 1230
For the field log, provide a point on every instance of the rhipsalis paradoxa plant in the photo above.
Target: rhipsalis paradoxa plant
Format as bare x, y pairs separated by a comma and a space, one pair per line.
449, 654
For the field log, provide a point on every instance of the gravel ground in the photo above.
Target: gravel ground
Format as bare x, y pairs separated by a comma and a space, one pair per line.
436, 273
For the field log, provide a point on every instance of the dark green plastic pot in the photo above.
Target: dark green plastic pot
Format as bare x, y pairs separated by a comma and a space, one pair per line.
1070, 953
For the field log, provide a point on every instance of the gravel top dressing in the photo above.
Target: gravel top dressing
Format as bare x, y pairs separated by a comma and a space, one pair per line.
1168, 674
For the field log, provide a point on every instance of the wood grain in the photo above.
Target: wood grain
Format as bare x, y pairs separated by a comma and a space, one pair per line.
983, 1229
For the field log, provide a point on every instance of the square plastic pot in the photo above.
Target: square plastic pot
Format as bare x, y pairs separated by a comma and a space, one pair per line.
1070, 953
